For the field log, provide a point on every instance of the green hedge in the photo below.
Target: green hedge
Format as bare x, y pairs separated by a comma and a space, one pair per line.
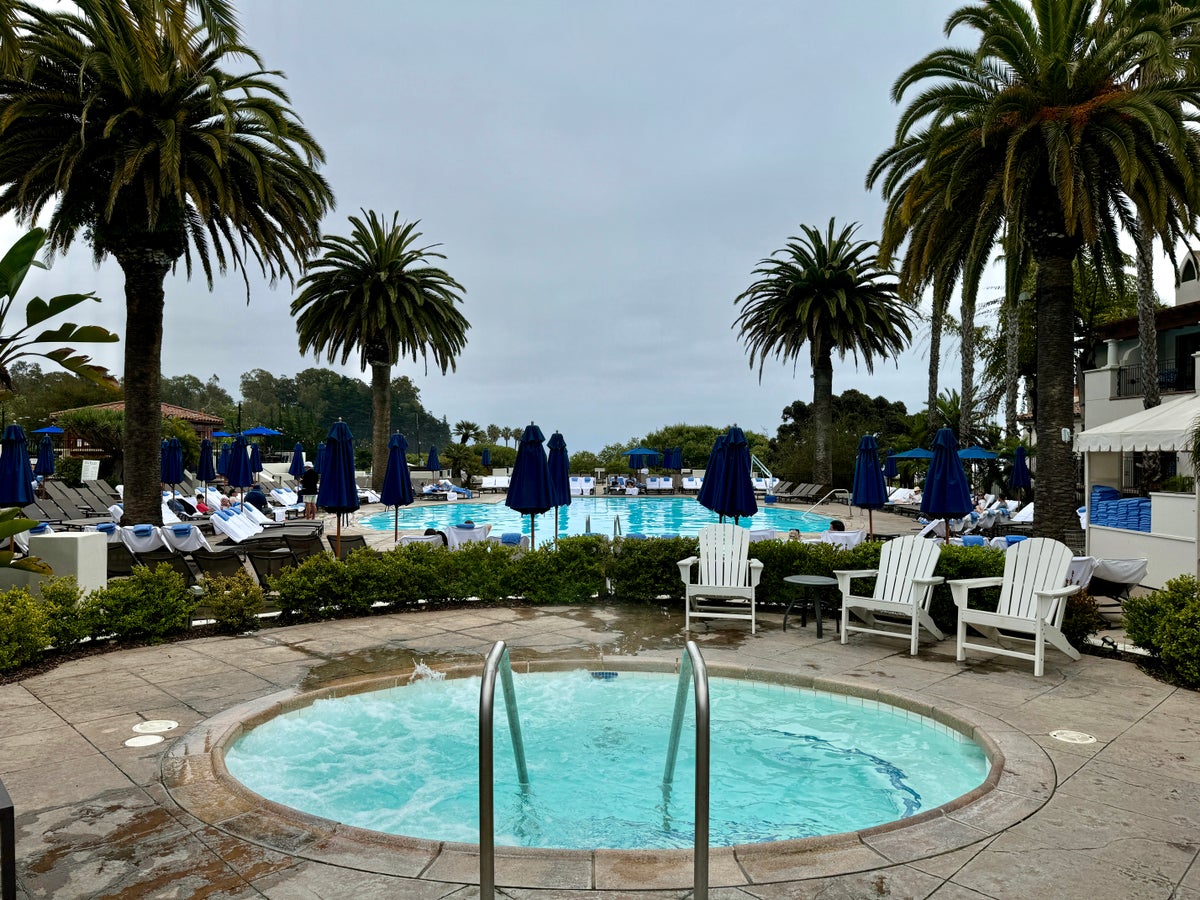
1167, 623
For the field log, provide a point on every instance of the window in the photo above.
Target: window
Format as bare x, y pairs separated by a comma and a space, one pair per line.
1189, 270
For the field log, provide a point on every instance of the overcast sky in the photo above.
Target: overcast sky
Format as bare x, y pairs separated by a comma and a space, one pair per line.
602, 177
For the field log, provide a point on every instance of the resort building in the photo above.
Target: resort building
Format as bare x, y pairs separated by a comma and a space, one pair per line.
204, 424
1128, 514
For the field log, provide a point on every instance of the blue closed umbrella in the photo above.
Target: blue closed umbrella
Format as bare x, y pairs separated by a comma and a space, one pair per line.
947, 494
559, 465
338, 492
1020, 473
736, 497
890, 469
707, 495
487, 457
255, 459
237, 467
320, 460
16, 480
205, 470
397, 483
296, 469
171, 467
223, 460
529, 488
868, 491
435, 464
45, 458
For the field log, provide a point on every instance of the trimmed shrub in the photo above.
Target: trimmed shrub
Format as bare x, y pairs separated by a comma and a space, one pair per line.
235, 602
151, 603
24, 629
572, 573
310, 591
1167, 623
69, 622
1082, 619
965, 562
644, 571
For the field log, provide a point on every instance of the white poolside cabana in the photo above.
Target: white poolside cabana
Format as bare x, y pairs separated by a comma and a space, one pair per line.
1170, 546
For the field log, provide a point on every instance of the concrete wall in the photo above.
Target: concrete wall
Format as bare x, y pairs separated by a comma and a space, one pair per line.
1168, 556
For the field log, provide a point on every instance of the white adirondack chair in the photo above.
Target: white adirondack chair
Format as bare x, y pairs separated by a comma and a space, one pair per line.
1033, 601
721, 580
904, 585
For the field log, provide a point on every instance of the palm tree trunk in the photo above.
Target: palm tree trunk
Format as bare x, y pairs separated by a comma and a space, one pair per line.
822, 364
1056, 401
1012, 361
966, 409
381, 419
937, 318
145, 272
1147, 339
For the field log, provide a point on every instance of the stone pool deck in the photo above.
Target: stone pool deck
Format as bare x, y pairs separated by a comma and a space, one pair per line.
1116, 818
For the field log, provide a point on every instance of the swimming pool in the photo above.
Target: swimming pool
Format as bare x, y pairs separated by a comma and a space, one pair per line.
787, 762
651, 516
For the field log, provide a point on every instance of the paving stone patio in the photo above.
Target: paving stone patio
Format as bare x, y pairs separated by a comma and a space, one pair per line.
1117, 818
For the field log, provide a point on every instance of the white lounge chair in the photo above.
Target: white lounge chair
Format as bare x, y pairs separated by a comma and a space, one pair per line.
576, 486
848, 540
513, 539
458, 535
431, 539
143, 538
234, 525
904, 585
1022, 516
691, 484
184, 538
1033, 601
589, 485
721, 581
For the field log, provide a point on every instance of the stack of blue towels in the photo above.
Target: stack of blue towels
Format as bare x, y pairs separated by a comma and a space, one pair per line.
1132, 514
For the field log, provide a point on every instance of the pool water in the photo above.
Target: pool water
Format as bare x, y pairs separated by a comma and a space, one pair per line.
651, 516
786, 762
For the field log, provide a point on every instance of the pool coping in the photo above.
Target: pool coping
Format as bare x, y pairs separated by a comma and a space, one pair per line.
1021, 779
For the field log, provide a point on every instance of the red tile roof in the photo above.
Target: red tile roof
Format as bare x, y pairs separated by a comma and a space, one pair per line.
169, 411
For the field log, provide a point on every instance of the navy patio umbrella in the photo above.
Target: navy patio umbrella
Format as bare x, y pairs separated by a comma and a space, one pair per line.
397, 483
237, 467
49, 429
529, 488
914, 453
222, 434
296, 469
707, 495
890, 469
736, 497
171, 466
261, 431
205, 470
255, 459
16, 480
641, 457
486, 458
868, 490
947, 494
45, 458
976, 452
320, 460
223, 460
559, 465
338, 493
435, 464
1020, 474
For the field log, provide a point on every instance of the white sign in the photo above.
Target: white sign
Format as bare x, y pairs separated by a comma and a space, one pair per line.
90, 471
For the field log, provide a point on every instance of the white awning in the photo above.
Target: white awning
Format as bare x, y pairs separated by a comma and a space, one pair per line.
1166, 427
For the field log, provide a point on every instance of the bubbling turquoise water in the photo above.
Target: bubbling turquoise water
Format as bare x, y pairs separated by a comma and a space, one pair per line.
786, 762
652, 516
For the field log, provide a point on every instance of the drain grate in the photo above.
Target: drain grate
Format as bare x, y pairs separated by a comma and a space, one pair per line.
1072, 737
155, 726
144, 740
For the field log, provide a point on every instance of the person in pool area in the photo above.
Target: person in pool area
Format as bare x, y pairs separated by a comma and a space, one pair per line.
256, 498
837, 525
309, 483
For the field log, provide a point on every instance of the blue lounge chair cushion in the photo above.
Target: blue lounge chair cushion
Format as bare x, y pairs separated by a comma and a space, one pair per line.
467, 525
106, 527
40, 529
513, 538
973, 540
142, 530
182, 530
1014, 539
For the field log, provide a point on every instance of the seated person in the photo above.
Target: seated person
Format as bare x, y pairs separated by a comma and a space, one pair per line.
201, 507
256, 498
837, 525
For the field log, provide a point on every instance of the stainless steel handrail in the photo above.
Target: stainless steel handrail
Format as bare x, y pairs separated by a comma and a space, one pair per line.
497, 662
8, 847
693, 664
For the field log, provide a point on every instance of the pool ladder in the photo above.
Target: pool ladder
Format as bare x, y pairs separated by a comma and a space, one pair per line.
691, 669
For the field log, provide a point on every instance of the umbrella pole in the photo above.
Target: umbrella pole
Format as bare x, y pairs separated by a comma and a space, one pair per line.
556, 526
532, 533
396, 526
870, 523
339, 535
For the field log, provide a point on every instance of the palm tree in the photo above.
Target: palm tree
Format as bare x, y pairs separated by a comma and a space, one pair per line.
826, 291
493, 433
467, 432
1037, 131
124, 121
374, 292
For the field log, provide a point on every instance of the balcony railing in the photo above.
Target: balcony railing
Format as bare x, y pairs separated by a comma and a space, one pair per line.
1170, 381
